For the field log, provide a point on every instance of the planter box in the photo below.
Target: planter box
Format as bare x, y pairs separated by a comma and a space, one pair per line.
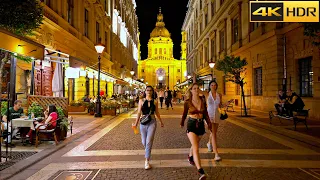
91, 112
61, 134
111, 112
76, 108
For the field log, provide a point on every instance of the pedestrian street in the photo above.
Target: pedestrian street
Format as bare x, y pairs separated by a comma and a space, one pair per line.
115, 152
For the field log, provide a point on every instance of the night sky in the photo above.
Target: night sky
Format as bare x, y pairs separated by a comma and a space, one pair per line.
173, 11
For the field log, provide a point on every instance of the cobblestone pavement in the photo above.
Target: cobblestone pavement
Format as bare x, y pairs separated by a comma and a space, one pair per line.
112, 151
214, 173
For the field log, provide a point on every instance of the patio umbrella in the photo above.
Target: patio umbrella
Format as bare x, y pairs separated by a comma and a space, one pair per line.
57, 81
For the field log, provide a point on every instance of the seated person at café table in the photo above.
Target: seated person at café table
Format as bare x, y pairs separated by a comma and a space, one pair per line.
49, 122
294, 103
14, 112
281, 101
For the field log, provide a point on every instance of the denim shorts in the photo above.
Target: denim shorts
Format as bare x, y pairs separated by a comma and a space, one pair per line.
196, 126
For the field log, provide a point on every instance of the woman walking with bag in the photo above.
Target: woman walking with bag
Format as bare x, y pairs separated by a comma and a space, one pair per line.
214, 102
148, 107
195, 107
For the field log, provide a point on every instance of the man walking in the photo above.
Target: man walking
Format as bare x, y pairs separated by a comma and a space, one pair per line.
161, 97
168, 95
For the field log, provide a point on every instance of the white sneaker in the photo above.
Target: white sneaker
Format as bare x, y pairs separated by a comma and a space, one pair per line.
147, 165
217, 158
210, 149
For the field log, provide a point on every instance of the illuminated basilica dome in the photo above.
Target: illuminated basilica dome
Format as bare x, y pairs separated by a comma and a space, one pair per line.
160, 30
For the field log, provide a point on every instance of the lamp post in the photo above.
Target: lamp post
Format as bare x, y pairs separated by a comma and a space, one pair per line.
99, 49
212, 64
132, 73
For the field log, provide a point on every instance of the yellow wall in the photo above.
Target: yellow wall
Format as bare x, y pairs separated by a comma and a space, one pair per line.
80, 88
110, 89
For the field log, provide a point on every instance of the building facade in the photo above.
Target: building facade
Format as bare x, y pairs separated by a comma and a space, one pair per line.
160, 69
278, 54
69, 33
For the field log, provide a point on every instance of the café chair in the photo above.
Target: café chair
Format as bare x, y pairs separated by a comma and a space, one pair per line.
47, 132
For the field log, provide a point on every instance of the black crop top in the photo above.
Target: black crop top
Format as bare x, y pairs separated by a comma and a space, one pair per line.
146, 109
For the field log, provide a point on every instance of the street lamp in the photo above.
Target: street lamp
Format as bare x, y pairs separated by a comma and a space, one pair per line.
142, 79
99, 49
189, 76
212, 64
132, 72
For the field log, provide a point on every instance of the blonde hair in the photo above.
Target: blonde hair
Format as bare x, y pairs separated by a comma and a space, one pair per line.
189, 93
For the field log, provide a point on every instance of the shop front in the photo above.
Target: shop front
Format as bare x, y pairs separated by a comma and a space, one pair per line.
22, 53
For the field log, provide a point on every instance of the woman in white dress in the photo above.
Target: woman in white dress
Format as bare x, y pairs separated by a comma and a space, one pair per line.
214, 102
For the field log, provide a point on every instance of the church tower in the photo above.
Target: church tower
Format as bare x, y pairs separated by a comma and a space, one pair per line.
160, 69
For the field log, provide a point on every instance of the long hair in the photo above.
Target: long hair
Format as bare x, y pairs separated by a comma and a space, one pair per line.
213, 81
153, 96
189, 93
52, 108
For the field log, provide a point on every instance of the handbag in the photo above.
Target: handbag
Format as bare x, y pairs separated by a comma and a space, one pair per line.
223, 116
145, 119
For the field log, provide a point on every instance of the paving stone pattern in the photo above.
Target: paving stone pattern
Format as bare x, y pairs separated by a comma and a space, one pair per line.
172, 136
16, 157
215, 173
90, 177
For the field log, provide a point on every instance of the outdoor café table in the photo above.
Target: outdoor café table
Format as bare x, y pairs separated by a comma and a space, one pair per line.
24, 123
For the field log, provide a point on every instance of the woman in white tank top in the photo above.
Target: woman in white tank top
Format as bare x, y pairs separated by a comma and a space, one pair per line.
214, 102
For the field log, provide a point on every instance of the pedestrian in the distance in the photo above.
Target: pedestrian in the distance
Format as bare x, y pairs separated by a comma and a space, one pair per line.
214, 102
168, 100
161, 97
195, 107
148, 107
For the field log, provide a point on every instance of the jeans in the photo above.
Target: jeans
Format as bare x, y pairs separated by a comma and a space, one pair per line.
15, 131
147, 136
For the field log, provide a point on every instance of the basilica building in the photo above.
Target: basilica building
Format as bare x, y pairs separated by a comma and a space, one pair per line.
160, 69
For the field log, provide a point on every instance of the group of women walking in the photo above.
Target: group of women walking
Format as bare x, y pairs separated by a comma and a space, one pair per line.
199, 107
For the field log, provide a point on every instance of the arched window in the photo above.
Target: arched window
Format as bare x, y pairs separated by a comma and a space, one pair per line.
160, 51
165, 51
155, 51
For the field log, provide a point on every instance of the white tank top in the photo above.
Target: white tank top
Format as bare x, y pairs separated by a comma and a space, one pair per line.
213, 106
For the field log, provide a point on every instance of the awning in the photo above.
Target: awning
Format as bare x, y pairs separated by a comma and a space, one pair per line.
122, 82
21, 45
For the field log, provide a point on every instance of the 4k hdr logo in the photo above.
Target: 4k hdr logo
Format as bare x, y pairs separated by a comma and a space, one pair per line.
284, 11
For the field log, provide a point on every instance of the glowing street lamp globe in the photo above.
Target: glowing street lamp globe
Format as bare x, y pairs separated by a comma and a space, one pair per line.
189, 76
132, 72
160, 78
99, 48
212, 64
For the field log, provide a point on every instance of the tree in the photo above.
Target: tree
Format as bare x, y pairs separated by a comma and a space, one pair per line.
21, 17
312, 30
234, 68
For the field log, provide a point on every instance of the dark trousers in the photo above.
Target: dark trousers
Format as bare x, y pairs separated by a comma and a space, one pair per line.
279, 108
290, 108
161, 101
169, 102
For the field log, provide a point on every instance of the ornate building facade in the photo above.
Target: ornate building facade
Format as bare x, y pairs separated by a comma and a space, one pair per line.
277, 53
69, 33
160, 69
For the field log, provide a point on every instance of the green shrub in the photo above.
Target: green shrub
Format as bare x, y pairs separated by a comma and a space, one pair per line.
36, 109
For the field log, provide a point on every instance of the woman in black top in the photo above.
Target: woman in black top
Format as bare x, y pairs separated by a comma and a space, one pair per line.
148, 106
